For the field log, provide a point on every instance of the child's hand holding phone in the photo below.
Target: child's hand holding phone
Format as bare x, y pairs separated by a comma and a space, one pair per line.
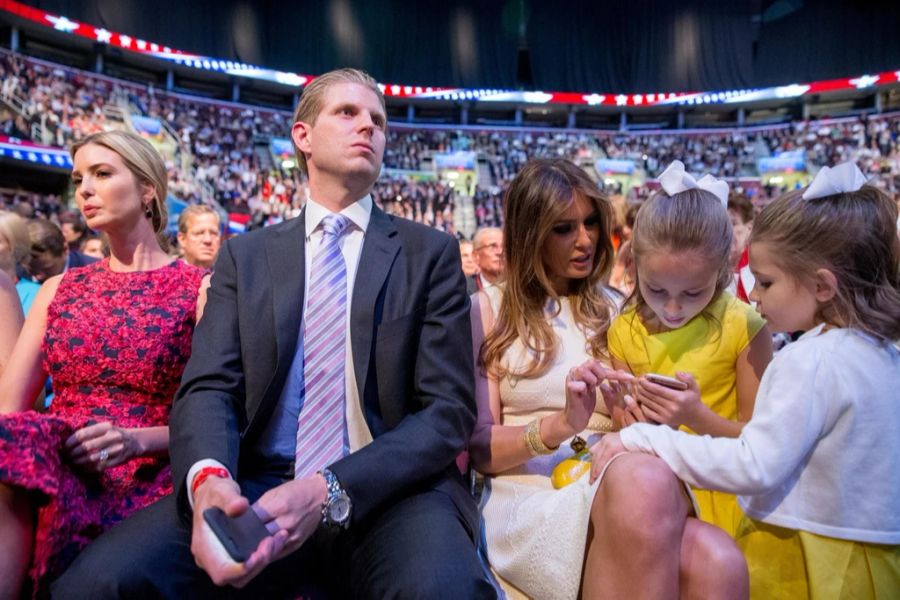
672, 401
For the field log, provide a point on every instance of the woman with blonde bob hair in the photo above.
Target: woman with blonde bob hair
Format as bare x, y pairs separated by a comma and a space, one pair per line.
540, 339
15, 247
115, 336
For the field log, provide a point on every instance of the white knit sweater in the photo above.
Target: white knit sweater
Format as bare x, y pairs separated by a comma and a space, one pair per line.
822, 451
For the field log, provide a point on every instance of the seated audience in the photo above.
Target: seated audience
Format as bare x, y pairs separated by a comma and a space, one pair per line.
199, 235
488, 253
94, 246
741, 212
540, 339
11, 319
73, 228
467, 254
14, 251
816, 466
50, 255
115, 336
362, 502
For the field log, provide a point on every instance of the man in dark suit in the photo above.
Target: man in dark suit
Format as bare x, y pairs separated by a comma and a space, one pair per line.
386, 514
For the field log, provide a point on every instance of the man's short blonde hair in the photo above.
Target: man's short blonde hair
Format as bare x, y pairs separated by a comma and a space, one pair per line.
310, 104
195, 210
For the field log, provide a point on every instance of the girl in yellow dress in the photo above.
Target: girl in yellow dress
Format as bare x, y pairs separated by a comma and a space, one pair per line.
816, 467
680, 322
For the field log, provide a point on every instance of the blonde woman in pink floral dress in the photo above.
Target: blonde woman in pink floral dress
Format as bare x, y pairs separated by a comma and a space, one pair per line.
115, 337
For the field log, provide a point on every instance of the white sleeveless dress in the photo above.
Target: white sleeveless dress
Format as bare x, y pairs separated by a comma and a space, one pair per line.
535, 534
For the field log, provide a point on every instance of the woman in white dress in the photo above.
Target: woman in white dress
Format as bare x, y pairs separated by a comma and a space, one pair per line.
539, 340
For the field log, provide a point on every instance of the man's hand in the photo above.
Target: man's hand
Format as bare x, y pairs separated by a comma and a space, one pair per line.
209, 553
294, 509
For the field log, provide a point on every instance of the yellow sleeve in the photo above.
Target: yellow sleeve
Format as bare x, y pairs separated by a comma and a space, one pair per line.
742, 323
617, 334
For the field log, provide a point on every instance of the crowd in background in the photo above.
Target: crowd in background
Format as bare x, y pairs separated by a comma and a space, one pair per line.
220, 152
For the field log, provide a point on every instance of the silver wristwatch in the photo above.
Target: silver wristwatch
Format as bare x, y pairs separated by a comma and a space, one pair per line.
337, 507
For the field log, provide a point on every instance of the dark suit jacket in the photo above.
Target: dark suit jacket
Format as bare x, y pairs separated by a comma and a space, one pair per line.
77, 259
412, 356
473, 284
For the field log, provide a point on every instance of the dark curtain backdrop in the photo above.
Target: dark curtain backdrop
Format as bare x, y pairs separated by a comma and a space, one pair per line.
572, 45
455, 43
828, 39
641, 46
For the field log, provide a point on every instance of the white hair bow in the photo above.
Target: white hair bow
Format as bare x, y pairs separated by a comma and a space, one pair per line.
675, 179
846, 177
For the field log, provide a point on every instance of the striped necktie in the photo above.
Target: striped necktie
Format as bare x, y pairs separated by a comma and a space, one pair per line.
321, 423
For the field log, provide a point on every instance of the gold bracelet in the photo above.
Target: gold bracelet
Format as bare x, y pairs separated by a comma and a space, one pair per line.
533, 441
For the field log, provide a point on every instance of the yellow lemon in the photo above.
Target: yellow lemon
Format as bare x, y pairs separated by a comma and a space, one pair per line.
571, 469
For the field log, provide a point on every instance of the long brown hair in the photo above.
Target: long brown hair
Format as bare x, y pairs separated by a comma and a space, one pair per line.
541, 192
853, 235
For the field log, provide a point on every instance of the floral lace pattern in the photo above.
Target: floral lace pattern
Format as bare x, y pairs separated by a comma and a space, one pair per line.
116, 345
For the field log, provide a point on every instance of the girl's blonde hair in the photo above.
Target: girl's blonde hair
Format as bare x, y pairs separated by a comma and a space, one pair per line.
853, 235
689, 221
542, 191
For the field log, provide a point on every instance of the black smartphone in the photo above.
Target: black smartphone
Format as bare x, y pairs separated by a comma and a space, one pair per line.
239, 535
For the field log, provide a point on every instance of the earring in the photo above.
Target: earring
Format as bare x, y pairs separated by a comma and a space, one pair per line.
148, 212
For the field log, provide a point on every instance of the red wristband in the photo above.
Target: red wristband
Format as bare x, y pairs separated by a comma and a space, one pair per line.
206, 472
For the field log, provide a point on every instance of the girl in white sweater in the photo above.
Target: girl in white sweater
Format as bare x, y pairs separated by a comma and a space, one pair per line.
816, 468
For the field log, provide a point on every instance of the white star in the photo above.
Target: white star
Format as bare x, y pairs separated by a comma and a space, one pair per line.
651, 97
791, 91
537, 97
594, 99
395, 90
864, 81
125, 40
103, 36
154, 47
63, 24
621, 100
638, 99
142, 45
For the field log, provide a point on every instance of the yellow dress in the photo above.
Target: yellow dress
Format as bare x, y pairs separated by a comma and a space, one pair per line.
708, 348
789, 564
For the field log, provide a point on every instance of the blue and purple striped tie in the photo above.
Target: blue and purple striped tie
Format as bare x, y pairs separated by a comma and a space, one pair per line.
320, 427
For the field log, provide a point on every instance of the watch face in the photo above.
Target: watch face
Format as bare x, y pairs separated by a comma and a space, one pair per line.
339, 509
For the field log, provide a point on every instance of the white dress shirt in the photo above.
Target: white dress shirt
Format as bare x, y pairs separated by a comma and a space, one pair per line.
279, 436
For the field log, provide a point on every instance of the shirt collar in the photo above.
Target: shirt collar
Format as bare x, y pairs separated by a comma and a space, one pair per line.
359, 214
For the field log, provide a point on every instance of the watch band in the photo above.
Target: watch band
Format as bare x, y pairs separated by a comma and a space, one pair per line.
337, 500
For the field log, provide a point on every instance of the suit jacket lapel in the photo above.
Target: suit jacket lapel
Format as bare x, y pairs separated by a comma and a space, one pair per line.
380, 247
285, 254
